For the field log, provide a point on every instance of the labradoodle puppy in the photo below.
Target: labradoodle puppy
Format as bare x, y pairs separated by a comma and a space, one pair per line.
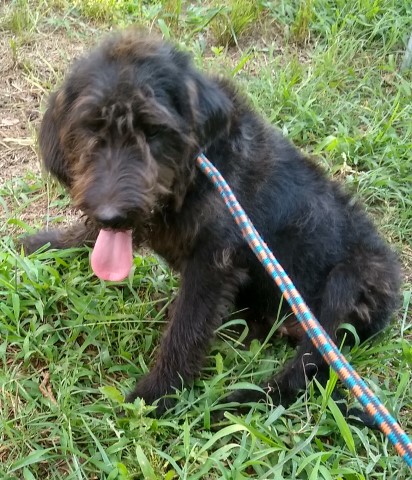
122, 134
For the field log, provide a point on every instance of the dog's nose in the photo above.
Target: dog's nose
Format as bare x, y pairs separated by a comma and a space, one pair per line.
110, 216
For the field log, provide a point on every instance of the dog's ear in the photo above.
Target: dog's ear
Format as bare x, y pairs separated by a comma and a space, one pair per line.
208, 111
49, 141
211, 107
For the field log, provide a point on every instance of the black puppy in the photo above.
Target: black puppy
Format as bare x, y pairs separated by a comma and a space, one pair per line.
122, 134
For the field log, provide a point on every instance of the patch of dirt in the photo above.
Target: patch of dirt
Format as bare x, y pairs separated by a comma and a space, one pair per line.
29, 68
31, 65
19, 109
407, 263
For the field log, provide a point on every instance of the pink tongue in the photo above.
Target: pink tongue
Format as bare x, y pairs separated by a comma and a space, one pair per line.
112, 256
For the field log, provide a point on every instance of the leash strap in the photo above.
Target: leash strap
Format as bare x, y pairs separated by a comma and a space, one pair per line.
371, 404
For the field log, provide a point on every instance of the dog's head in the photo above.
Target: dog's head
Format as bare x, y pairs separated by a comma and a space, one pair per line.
123, 130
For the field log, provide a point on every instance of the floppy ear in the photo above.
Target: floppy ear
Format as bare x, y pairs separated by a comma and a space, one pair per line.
209, 112
49, 141
211, 107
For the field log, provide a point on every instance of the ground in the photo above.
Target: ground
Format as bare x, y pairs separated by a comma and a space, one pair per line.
327, 74
29, 67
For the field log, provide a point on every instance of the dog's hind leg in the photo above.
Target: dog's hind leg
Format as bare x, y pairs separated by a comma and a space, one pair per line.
362, 292
78, 235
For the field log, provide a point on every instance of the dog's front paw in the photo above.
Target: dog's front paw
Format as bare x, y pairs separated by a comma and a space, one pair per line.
152, 392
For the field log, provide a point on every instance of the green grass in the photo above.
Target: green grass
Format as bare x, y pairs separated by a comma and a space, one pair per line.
327, 74
233, 20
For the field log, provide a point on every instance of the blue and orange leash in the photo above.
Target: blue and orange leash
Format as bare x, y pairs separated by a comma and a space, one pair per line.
371, 404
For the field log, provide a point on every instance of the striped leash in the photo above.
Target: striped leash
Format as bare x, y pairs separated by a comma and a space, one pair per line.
371, 404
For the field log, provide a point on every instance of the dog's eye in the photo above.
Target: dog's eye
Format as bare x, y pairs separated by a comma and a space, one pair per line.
95, 125
152, 131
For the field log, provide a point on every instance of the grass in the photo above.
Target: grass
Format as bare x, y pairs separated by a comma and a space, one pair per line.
233, 20
326, 73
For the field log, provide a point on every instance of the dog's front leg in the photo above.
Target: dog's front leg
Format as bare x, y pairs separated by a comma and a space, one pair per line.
207, 292
77, 235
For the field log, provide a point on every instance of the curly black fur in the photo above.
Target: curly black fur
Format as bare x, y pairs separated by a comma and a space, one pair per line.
122, 134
